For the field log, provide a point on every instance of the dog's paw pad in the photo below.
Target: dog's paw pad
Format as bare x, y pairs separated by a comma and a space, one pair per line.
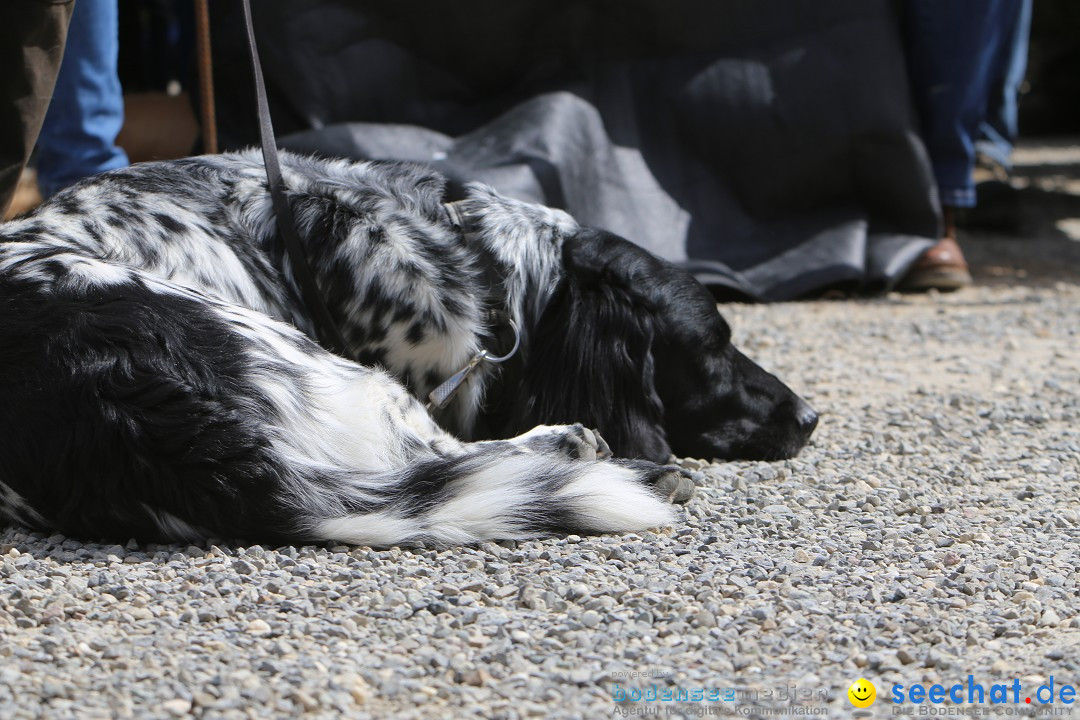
581, 443
592, 438
674, 484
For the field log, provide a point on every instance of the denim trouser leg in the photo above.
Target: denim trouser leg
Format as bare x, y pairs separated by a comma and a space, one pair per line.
998, 131
956, 51
78, 137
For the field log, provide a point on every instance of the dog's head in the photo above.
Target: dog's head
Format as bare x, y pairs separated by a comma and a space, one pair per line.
643, 355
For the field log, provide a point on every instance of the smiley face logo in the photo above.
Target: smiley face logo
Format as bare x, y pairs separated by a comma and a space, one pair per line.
862, 693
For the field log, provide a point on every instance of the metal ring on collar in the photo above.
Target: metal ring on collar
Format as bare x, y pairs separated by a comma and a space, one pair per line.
513, 350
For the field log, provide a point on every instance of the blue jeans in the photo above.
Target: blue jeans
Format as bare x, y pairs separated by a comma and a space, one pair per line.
998, 131
966, 59
78, 137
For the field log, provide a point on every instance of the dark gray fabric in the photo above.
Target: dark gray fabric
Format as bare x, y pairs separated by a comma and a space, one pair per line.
768, 145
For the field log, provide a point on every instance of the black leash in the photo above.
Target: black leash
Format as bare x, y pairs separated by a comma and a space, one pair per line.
325, 327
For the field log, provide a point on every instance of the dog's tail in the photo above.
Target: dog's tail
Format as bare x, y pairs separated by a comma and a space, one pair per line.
498, 491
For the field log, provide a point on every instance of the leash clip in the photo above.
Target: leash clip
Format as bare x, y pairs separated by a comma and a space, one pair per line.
441, 396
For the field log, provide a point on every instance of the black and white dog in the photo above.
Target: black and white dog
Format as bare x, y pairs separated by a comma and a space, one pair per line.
157, 379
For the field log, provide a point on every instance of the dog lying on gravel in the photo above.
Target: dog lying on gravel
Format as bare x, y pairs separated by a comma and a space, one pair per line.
158, 379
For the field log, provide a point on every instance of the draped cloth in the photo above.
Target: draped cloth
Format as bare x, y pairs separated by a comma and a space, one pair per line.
768, 146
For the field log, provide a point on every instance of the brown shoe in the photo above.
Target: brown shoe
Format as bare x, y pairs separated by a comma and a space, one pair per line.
942, 267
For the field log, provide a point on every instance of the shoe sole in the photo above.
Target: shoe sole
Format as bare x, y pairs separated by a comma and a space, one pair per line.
943, 279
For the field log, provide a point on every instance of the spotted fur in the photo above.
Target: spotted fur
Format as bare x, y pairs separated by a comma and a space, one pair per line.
159, 381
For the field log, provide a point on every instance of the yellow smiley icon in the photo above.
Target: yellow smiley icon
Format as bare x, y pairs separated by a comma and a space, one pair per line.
862, 693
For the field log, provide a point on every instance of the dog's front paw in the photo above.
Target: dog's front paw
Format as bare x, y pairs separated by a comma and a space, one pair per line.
672, 483
576, 441
581, 443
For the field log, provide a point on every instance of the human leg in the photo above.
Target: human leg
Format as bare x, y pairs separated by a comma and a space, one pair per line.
78, 138
999, 129
955, 52
32, 37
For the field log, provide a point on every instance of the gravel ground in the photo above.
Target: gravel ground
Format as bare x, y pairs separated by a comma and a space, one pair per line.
930, 531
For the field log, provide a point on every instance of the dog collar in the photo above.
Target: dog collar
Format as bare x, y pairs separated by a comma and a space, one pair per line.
441, 396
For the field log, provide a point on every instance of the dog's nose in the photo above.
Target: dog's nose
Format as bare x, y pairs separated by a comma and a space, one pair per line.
805, 417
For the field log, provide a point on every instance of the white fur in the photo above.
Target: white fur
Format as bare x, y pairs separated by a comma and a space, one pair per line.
350, 443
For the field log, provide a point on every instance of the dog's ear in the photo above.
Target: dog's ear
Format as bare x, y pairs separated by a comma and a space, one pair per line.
590, 361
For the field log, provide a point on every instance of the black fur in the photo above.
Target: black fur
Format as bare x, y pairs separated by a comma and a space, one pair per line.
644, 355
153, 382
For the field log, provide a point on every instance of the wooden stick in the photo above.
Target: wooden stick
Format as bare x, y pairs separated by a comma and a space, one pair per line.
206, 77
